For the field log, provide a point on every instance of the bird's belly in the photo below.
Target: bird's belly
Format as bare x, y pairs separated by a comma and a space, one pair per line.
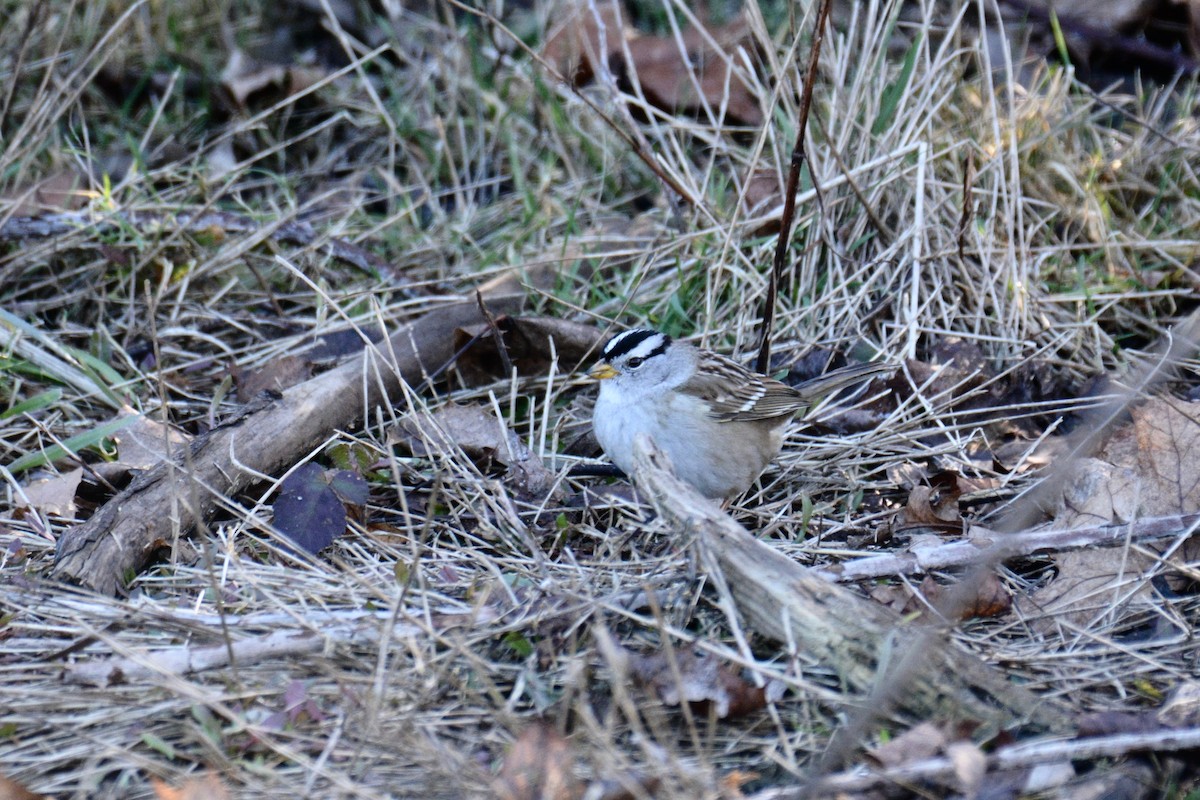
720, 459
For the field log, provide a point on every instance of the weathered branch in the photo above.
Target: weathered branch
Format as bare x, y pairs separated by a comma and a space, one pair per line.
881, 659
285, 638
1024, 754
171, 499
983, 545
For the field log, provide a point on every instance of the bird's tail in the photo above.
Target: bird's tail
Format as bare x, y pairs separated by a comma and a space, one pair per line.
823, 385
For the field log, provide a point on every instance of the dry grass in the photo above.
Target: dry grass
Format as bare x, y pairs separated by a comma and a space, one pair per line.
450, 154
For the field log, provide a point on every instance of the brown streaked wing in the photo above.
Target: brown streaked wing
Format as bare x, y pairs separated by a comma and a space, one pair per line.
734, 393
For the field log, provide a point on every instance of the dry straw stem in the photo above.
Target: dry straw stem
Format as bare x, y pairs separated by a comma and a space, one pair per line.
283, 230
787, 602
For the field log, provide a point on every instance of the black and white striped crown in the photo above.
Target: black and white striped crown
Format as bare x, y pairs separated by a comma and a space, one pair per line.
640, 343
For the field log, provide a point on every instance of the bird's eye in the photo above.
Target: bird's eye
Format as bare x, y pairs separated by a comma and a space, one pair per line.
634, 362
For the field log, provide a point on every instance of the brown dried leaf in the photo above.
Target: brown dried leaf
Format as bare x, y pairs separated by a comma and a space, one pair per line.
970, 766
703, 678
1181, 709
1168, 456
55, 495
919, 742
764, 189
208, 787
672, 78
1148, 468
932, 506
63, 191
1098, 493
532, 345
145, 443
539, 766
696, 76
988, 598
732, 783
583, 37
245, 76
11, 790
274, 376
486, 440
1088, 584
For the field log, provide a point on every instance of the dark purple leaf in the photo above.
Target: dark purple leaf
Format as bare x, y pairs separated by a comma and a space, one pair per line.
308, 511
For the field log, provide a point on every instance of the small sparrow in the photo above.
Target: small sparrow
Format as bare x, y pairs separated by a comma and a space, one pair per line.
718, 422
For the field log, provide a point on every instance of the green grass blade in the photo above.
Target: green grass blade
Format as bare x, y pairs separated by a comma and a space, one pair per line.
71, 445
35, 403
896, 90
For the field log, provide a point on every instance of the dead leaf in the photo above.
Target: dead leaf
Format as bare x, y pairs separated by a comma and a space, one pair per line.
1091, 583
310, 508
689, 75
486, 440
908, 474
732, 783
55, 496
580, 41
970, 766
915, 744
274, 376
532, 345
145, 443
696, 78
1181, 709
1150, 467
1168, 456
65, 190
539, 766
11, 790
244, 77
1098, 493
987, 598
764, 190
704, 679
208, 787
932, 506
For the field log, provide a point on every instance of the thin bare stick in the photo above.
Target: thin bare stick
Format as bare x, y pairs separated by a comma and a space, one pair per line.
799, 156
986, 544
1025, 754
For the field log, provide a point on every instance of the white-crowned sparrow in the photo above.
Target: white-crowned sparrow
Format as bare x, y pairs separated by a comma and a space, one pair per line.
718, 422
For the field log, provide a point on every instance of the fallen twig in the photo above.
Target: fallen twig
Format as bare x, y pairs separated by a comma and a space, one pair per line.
319, 629
171, 499
983, 544
1025, 754
787, 602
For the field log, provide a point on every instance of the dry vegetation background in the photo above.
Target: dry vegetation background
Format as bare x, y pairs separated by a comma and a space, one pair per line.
205, 202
